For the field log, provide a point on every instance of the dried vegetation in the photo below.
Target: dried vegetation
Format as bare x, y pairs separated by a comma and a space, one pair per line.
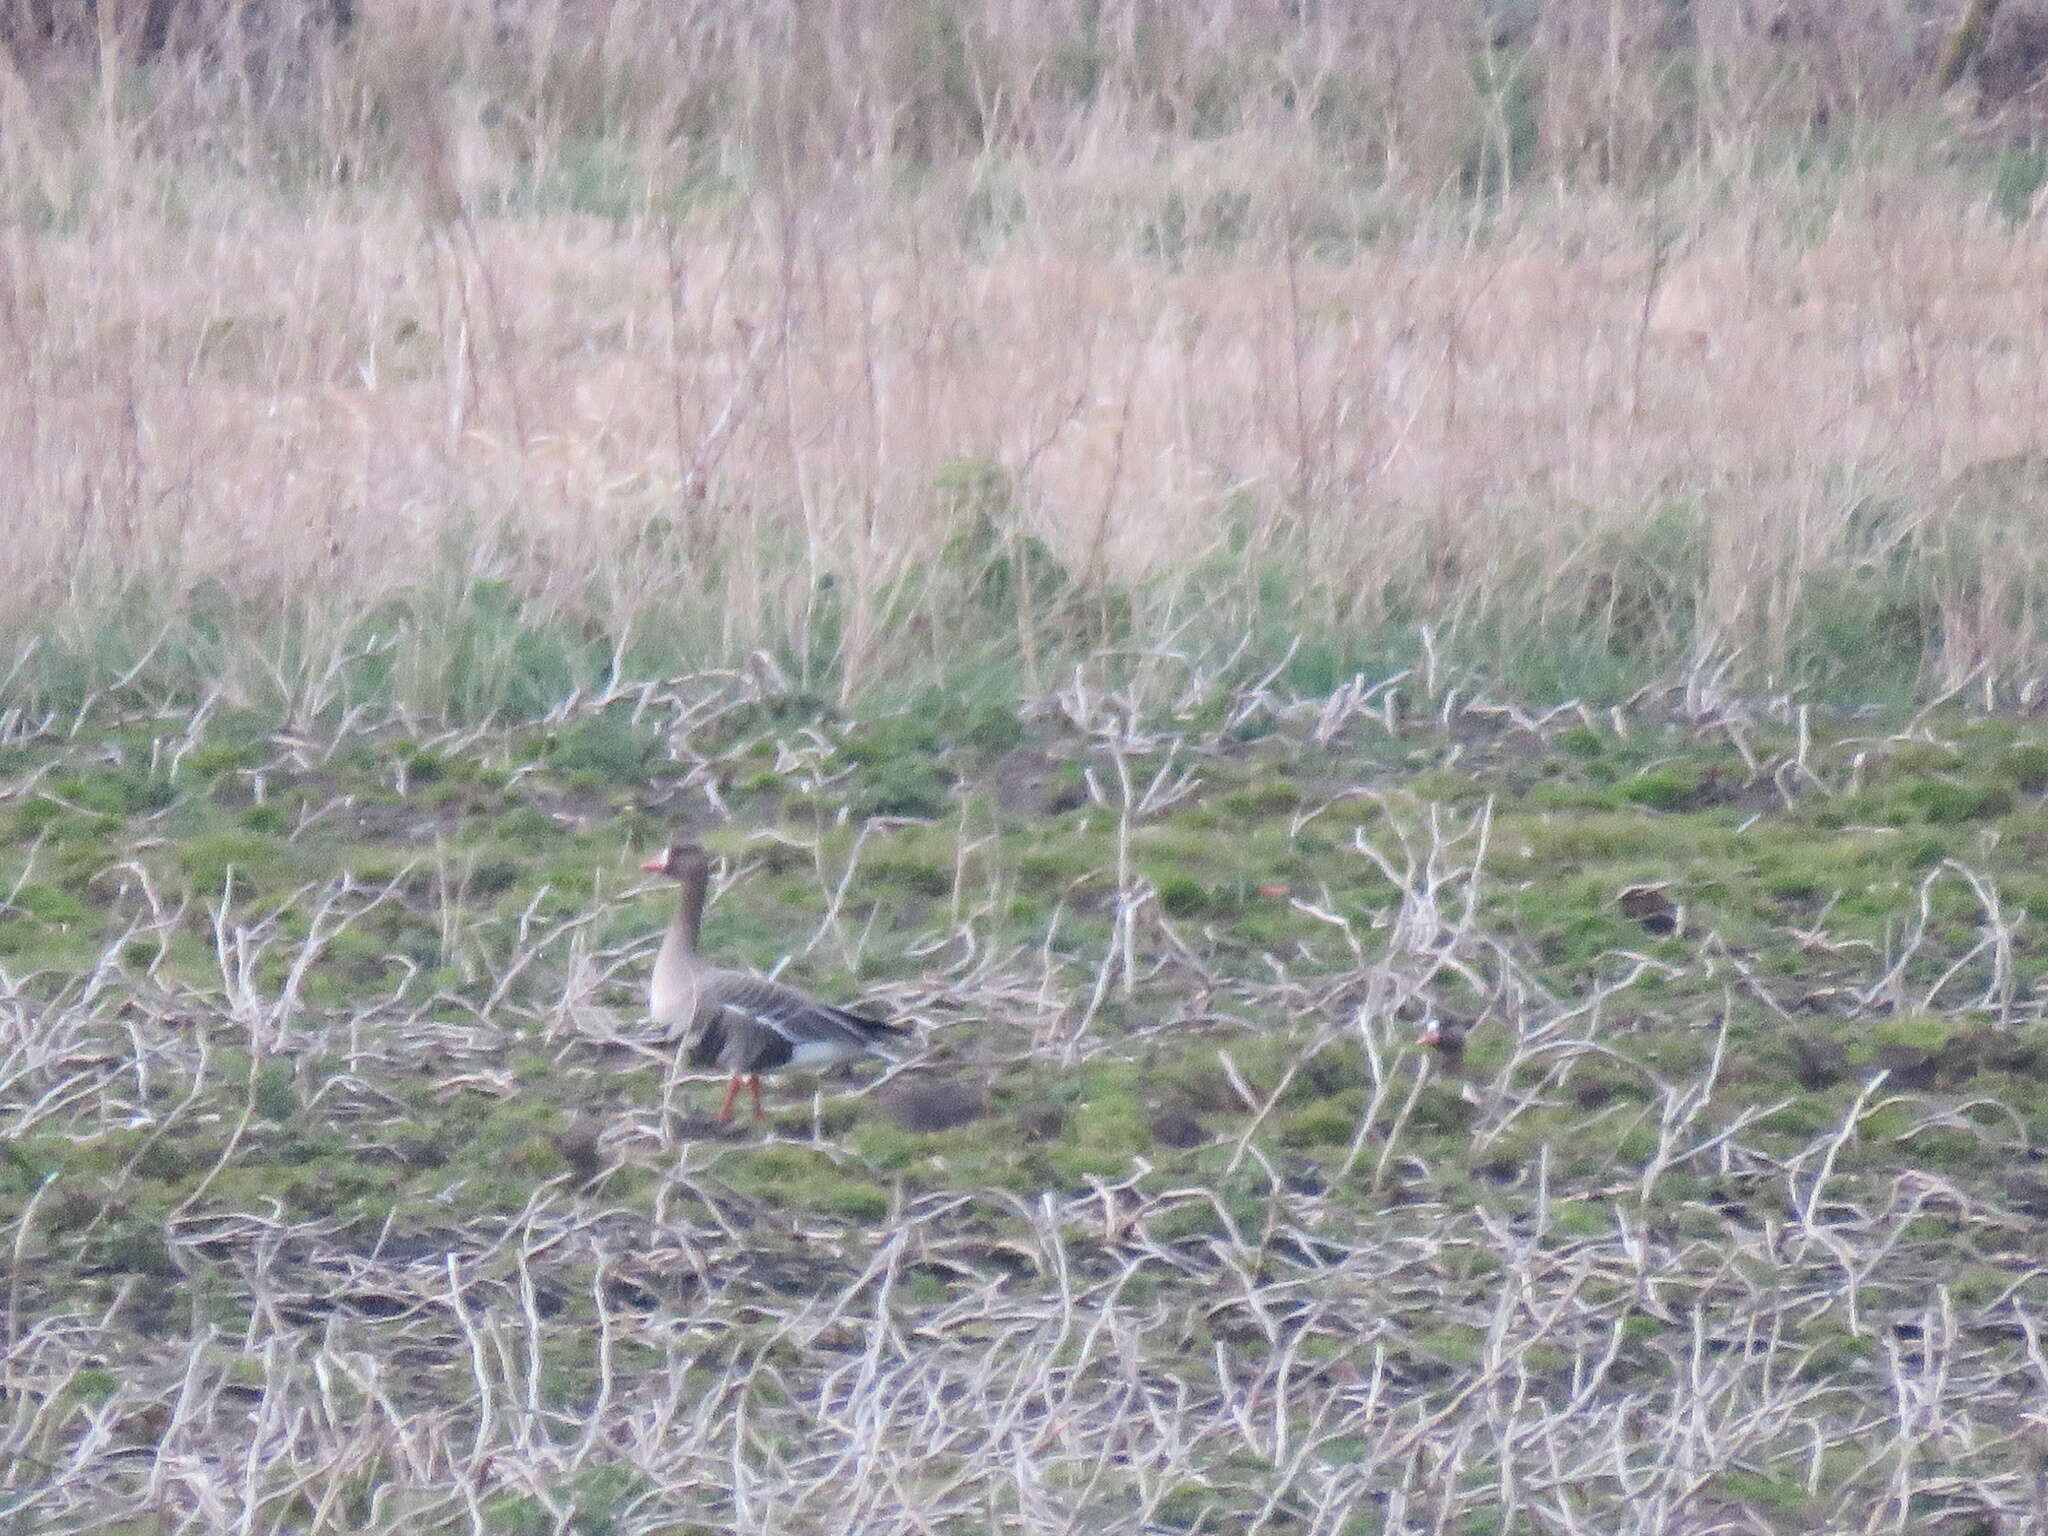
350, 1193
1176, 549
462, 361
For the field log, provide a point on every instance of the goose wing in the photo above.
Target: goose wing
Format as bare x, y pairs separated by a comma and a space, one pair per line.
706, 1042
739, 1001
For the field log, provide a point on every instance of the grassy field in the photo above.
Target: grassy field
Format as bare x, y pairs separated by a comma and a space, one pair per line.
351, 1194
1172, 551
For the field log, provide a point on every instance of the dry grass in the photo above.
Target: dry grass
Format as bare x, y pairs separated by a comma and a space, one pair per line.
483, 364
302, 338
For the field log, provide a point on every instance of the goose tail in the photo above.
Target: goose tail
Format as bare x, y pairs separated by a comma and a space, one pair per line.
891, 1041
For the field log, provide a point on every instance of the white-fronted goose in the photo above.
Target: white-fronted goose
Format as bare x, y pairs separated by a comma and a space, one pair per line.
1445, 1034
746, 1024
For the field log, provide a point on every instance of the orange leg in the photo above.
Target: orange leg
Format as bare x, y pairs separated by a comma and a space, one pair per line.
754, 1082
732, 1092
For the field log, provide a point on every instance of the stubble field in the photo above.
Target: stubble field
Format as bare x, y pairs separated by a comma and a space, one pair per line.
1172, 557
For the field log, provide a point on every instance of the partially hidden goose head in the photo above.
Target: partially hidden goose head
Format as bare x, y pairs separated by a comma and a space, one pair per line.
744, 1023
680, 861
1445, 1034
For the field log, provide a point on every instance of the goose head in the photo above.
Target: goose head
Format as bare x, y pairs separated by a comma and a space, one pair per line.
679, 861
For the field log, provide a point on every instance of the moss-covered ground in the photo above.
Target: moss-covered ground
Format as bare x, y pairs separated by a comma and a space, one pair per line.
328, 1098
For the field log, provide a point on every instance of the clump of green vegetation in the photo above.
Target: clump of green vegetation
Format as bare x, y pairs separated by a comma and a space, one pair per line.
1945, 802
1670, 787
2026, 765
1001, 569
608, 748
209, 860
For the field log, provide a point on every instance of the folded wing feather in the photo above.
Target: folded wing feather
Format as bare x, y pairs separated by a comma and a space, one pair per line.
750, 1024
